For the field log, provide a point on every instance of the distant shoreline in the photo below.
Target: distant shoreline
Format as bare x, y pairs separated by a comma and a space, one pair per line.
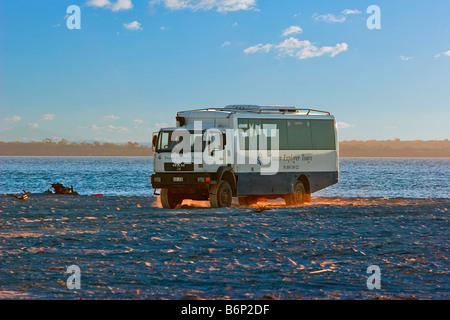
353, 149
151, 156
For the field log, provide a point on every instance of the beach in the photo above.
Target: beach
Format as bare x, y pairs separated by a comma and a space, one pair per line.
127, 247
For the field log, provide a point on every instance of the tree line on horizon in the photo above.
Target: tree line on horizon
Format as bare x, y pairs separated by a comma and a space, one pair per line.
351, 148
48, 147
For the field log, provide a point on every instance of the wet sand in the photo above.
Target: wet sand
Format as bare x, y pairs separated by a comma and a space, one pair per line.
129, 248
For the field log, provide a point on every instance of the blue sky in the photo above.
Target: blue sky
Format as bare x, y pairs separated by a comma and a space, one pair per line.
134, 64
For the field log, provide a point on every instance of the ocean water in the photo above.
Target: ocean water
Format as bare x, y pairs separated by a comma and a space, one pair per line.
126, 176
129, 248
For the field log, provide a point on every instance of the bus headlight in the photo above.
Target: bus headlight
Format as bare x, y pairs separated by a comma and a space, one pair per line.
156, 179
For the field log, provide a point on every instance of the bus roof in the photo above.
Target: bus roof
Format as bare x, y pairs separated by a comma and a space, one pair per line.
266, 109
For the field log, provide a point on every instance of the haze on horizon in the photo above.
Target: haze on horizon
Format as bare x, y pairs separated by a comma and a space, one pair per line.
134, 64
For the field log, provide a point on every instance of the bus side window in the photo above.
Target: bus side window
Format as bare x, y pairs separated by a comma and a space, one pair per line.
322, 132
253, 137
280, 125
243, 133
299, 134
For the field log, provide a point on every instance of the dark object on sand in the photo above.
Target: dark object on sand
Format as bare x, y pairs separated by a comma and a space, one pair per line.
23, 196
261, 209
60, 189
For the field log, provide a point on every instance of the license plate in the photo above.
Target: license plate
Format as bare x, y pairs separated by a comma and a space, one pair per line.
177, 179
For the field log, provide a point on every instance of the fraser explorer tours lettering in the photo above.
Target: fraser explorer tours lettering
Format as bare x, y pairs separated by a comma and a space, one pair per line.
209, 311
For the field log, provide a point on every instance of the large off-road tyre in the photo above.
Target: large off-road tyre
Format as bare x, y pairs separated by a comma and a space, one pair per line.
297, 197
169, 199
220, 195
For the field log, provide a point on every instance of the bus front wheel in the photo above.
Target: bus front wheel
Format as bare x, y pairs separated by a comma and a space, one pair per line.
297, 197
170, 200
221, 195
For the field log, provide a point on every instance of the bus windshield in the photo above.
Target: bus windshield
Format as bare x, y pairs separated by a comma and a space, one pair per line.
198, 141
166, 144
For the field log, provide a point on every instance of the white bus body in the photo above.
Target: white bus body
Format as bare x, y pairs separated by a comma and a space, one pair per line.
247, 166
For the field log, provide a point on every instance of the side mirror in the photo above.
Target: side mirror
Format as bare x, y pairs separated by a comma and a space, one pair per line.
155, 137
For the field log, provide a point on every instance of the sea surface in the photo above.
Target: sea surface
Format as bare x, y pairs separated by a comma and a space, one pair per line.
127, 247
130, 176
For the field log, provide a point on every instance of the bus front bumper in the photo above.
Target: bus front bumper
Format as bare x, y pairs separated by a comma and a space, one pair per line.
179, 179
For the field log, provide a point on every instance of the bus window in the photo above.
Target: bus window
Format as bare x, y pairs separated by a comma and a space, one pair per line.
243, 124
243, 134
163, 141
322, 132
299, 134
282, 132
253, 137
249, 131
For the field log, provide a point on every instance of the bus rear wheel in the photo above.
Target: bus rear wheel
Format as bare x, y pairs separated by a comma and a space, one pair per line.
246, 201
220, 195
297, 197
169, 199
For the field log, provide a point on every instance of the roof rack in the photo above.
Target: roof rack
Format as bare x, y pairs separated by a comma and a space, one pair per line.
261, 109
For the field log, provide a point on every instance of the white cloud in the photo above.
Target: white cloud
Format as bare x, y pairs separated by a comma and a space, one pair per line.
446, 53
291, 30
134, 26
33, 125
111, 118
291, 45
138, 121
312, 51
109, 127
121, 5
350, 11
114, 6
259, 47
226, 44
94, 127
218, 5
403, 58
302, 49
47, 117
98, 3
344, 125
13, 119
116, 129
329, 18
234, 25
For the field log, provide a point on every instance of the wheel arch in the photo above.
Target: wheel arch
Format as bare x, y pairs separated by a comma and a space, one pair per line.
227, 174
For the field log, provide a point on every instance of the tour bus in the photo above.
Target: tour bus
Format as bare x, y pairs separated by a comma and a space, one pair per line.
250, 152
